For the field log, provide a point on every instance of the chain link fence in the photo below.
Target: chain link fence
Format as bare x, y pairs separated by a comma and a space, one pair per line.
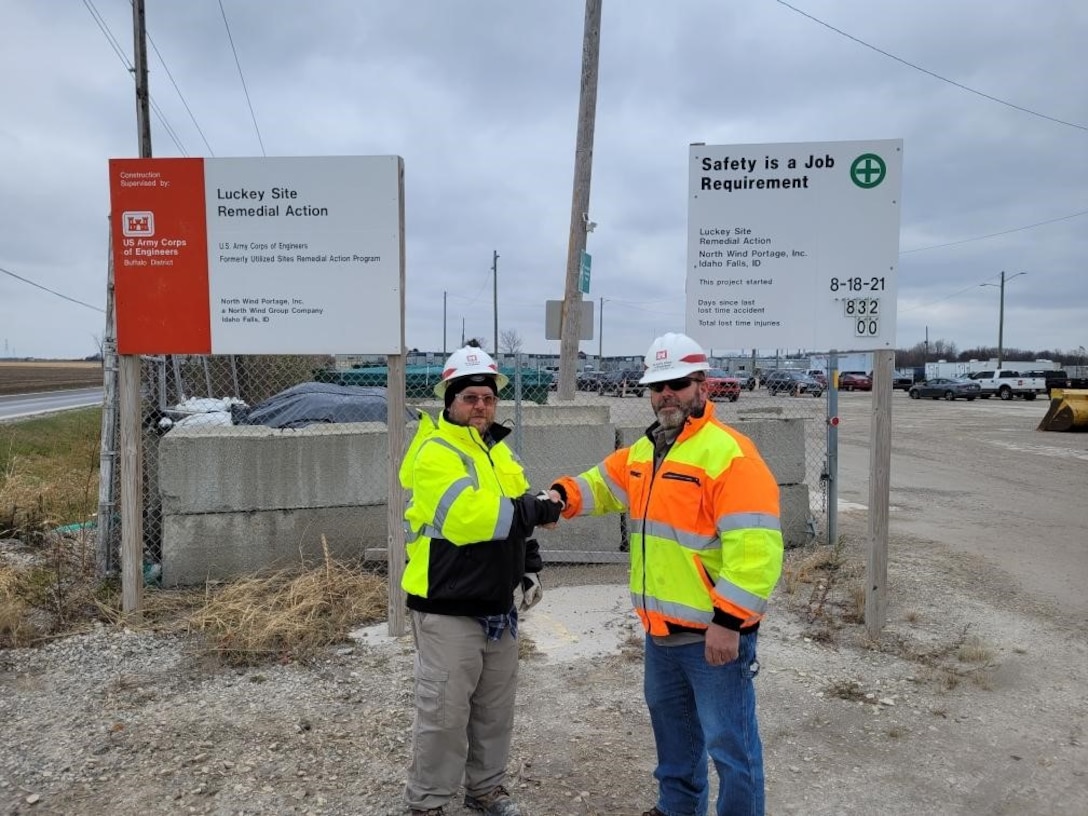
251, 462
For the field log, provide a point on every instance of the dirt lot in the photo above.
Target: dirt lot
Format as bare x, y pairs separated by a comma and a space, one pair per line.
973, 701
54, 375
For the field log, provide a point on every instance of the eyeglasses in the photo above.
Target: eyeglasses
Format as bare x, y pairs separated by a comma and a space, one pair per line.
679, 384
472, 400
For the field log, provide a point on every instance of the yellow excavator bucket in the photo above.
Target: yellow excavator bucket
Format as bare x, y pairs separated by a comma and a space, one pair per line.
1068, 410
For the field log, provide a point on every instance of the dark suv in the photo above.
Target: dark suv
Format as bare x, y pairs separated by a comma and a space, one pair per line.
794, 383
620, 383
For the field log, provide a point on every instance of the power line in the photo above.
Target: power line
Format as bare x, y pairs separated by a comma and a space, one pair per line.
105, 29
181, 96
50, 291
969, 288
997, 234
241, 76
476, 297
931, 73
103, 26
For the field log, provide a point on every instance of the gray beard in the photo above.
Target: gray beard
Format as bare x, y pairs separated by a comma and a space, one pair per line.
672, 418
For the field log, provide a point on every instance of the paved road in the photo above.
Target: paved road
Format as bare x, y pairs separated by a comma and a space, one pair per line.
17, 406
978, 478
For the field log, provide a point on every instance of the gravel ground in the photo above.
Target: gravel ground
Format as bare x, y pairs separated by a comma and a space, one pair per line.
973, 701
967, 705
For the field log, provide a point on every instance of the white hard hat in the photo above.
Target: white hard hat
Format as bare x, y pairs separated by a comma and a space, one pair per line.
673, 355
468, 362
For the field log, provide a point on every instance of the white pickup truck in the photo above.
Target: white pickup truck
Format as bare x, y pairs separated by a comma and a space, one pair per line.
1007, 384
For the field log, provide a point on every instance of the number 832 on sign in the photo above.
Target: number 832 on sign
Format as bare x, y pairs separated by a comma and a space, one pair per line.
865, 314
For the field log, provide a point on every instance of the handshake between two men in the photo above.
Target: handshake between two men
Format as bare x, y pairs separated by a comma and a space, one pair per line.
541, 509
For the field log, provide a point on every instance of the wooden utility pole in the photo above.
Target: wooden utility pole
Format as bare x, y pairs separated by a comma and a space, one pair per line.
570, 319
128, 370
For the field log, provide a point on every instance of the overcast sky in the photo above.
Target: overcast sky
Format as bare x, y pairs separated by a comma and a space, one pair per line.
480, 98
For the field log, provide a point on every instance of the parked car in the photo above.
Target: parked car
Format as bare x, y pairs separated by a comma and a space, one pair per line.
949, 388
588, 380
1007, 384
903, 379
819, 375
794, 383
621, 383
722, 385
855, 381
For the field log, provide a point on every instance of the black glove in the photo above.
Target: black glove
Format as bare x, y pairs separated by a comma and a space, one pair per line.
532, 511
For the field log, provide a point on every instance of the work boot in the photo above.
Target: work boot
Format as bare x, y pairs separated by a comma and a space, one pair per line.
653, 812
496, 803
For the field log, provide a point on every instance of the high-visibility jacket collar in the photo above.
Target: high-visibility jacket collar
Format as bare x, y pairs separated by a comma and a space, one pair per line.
691, 427
469, 433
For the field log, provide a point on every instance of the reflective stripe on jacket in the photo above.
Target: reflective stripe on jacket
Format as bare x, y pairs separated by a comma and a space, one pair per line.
705, 538
466, 553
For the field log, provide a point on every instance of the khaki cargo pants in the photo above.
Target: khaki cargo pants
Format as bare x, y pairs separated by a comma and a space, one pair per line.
464, 700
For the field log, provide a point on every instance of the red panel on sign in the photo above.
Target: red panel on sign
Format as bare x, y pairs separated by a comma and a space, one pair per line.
160, 256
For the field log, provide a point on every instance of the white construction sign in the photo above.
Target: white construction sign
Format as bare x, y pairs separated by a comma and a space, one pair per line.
794, 245
296, 255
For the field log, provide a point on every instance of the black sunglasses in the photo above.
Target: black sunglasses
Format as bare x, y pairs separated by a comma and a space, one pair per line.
679, 384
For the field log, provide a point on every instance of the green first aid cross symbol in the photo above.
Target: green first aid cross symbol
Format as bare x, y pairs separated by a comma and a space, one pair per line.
868, 170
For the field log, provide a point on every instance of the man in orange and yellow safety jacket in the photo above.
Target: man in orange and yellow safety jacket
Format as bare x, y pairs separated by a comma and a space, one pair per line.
706, 552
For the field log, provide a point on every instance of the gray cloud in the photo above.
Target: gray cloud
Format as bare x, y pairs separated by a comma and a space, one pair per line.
480, 98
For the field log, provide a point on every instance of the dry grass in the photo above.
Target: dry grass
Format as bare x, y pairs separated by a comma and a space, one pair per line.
849, 690
288, 615
50, 591
827, 586
974, 649
854, 605
806, 567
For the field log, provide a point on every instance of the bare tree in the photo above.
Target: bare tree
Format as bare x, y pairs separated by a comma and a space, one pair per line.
944, 349
510, 341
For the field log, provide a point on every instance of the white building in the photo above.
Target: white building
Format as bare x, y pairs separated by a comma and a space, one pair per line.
943, 368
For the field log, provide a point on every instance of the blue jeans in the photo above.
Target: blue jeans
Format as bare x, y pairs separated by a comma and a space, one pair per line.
698, 709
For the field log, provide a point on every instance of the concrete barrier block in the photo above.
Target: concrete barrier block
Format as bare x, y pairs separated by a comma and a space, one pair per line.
781, 443
795, 514
549, 452
229, 469
219, 546
565, 415
629, 434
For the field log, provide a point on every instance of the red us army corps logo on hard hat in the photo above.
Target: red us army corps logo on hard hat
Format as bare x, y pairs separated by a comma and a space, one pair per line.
663, 354
472, 358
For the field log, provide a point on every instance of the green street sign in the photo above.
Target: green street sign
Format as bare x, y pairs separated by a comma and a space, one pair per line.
583, 277
868, 170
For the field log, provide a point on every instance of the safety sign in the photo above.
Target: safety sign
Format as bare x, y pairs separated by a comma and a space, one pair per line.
794, 245
258, 256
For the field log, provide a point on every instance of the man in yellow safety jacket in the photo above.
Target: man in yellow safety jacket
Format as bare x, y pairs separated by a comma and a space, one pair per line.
706, 551
469, 522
